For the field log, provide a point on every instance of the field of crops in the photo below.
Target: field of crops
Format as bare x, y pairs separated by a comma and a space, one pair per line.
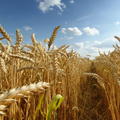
40, 84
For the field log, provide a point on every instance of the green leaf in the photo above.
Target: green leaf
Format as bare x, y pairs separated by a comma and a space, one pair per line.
39, 107
53, 104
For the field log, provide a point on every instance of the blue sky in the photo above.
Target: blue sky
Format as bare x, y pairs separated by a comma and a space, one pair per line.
86, 25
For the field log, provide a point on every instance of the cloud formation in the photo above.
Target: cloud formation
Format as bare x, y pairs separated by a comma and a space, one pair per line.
105, 45
73, 30
90, 31
102, 46
48, 4
78, 45
27, 28
71, 1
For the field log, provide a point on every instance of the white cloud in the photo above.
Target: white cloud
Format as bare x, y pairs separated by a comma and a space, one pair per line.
78, 45
102, 46
74, 31
90, 31
97, 42
27, 28
106, 45
117, 23
45, 6
59, 13
90, 49
71, 1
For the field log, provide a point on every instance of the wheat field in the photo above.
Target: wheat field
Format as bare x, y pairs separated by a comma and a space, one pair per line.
31, 81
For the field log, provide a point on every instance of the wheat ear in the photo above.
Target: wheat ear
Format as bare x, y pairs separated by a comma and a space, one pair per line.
14, 94
23, 68
5, 34
22, 57
99, 79
117, 38
4, 56
45, 41
18, 42
33, 39
8, 50
56, 51
53, 37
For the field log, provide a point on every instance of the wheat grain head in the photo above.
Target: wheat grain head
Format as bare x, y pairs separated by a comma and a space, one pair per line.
33, 39
5, 34
117, 38
53, 37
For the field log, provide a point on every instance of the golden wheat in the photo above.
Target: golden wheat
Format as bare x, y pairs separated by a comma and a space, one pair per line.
8, 49
117, 38
29, 46
2, 38
5, 34
46, 40
2, 46
53, 37
33, 40
15, 94
77, 79
2, 65
22, 57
